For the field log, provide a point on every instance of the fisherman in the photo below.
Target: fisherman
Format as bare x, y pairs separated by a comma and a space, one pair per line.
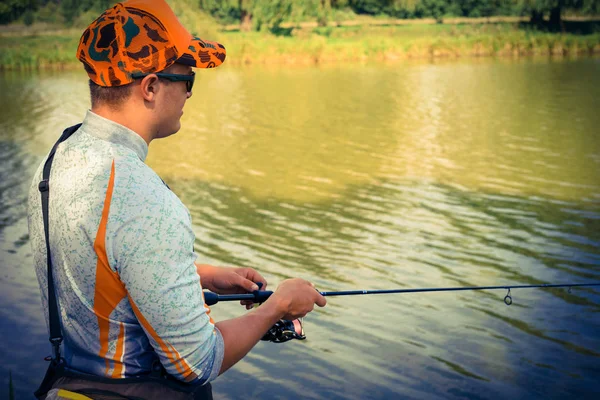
121, 288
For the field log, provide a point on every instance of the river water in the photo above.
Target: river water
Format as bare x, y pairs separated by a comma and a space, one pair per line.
478, 172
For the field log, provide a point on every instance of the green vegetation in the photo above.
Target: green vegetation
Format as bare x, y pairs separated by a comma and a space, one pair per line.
399, 42
38, 51
265, 14
268, 14
44, 34
53, 11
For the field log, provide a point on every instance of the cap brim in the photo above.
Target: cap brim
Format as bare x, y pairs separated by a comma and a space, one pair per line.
203, 54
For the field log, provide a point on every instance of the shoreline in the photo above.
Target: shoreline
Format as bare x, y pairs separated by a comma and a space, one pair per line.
370, 20
299, 60
354, 44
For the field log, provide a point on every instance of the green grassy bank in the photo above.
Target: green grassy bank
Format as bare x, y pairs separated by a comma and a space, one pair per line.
38, 52
364, 43
33, 49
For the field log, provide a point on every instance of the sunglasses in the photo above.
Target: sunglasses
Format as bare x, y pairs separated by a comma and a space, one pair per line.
187, 78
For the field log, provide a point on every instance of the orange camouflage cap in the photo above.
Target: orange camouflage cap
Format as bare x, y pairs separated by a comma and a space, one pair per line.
141, 36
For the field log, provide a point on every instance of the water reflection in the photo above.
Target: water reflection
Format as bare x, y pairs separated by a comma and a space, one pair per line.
446, 174
446, 123
12, 157
377, 236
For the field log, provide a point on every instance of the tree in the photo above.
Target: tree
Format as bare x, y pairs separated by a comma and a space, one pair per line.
432, 8
537, 8
70, 9
28, 18
48, 13
324, 10
477, 8
372, 7
269, 14
245, 7
227, 11
10, 10
401, 8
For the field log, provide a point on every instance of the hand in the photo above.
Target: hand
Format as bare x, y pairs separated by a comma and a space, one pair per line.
230, 280
297, 297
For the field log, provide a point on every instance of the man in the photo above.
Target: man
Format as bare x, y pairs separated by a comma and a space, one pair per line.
128, 290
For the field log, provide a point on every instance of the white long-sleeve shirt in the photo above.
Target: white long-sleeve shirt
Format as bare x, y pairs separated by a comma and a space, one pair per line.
122, 249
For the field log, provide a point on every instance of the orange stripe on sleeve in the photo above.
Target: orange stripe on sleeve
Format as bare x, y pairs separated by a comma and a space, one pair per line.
118, 371
180, 364
110, 290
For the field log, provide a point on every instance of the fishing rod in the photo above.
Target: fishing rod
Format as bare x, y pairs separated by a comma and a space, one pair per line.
260, 296
285, 330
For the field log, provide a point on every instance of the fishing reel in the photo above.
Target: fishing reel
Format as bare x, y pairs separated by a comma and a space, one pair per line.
285, 330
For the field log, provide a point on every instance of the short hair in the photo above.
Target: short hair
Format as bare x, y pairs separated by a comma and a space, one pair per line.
113, 96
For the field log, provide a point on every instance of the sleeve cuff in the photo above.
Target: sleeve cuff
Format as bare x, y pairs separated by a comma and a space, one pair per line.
219, 355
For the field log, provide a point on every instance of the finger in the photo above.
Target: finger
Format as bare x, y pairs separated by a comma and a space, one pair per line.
247, 304
321, 301
291, 317
254, 276
246, 284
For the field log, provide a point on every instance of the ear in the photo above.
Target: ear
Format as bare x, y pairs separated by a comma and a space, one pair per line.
149, 88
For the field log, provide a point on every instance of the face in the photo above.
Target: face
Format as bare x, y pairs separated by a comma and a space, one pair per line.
173, 96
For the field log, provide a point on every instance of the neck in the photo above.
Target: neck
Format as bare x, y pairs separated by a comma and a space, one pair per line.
132, 119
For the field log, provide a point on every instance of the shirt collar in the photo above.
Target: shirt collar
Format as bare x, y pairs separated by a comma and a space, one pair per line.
113, 132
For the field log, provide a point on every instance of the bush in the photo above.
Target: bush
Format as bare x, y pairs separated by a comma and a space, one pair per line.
28, 18
49, 13
69, 10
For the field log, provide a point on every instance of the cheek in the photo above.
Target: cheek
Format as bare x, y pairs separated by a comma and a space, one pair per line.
172, 103
183, 101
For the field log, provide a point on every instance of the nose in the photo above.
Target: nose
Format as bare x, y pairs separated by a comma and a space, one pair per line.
189, 94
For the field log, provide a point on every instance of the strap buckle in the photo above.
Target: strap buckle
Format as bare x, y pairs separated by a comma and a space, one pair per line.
56, 348
44, 186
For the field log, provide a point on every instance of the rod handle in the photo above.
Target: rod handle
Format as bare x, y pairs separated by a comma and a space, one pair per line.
210, 298
258, 296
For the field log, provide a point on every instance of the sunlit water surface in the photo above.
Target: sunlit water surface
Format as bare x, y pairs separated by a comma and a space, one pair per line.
367, 176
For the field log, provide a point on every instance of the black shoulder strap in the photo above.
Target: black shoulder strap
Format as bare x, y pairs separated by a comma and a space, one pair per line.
44, 187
